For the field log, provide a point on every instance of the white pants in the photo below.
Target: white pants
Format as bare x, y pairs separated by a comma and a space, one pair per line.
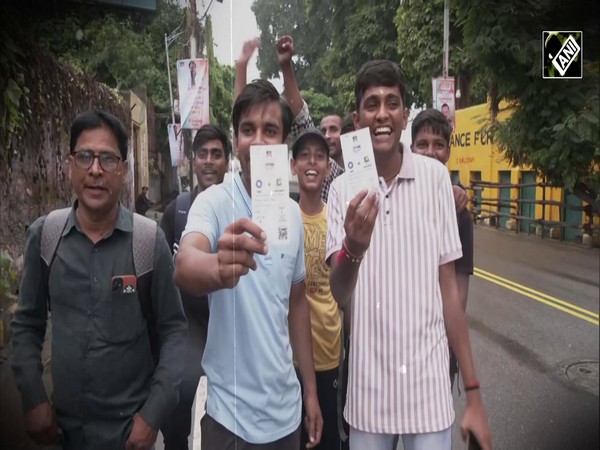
439, 440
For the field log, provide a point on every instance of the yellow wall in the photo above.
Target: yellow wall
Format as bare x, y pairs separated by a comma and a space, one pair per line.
473, 149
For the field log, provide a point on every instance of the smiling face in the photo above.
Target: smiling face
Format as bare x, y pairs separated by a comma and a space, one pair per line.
431, 144
260, 125
331, 127
210, 163
311, 165
382, 112
97, 190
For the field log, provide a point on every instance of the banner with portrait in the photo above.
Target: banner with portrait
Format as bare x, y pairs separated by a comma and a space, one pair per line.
175, 143
444, 98
192, 81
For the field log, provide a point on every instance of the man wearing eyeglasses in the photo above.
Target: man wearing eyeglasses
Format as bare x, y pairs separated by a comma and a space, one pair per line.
108, 390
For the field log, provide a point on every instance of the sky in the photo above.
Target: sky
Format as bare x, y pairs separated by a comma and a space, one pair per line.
233, 24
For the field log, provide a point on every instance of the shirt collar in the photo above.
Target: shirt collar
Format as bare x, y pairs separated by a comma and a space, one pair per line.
124, 221
407, 171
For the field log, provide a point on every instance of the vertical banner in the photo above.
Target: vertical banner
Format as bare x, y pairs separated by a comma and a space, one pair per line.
175, 143
192, 80
444, 99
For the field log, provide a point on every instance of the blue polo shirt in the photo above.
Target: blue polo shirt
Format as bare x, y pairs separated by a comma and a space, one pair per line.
253, 390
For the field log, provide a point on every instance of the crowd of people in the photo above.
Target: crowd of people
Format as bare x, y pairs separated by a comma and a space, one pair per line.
349, 334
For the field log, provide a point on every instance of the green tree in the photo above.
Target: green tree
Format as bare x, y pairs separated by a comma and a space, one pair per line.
321, 105
554, 125
309, 26
420, 27
333, 38
362, 30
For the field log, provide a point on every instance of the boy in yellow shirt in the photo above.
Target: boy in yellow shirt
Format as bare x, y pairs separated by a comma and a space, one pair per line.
310, 163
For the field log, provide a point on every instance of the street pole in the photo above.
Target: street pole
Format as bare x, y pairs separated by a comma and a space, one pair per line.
446, 37
169, 75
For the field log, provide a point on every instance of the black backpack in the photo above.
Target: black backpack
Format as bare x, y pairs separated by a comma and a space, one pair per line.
197, 306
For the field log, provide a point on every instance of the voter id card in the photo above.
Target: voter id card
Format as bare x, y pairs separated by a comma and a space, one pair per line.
269, 166
359, 161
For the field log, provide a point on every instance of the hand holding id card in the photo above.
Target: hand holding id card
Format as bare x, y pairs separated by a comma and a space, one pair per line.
269, 166
359, 161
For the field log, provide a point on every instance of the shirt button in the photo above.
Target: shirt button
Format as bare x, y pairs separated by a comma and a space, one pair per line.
95, 250
402, 369
387, 196
94, 280
387, 212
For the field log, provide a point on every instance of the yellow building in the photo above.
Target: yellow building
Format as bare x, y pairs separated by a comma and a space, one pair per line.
475, 157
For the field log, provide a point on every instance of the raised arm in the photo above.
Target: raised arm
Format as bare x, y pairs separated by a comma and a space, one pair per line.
285, 51
241, 65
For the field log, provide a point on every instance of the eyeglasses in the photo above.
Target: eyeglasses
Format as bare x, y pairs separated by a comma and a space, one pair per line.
85, 158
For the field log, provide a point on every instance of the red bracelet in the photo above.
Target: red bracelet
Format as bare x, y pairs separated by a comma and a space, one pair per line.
472, 387
345, 254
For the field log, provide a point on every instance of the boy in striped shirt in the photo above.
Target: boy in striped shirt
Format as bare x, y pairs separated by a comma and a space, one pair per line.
392, 256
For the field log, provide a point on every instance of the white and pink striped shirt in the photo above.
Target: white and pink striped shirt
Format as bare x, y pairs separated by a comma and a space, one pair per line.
399, 380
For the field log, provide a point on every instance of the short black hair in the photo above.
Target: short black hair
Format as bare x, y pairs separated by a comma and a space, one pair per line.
348, 125
91, 120
209, 133
435, 121
256, 93
446, 105
379, 72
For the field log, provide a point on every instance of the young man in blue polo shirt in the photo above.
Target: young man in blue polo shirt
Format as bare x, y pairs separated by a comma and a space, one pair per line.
258, 307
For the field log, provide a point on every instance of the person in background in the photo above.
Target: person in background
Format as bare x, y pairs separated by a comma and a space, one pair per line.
143, 203
211, 157
310, 161
431, 137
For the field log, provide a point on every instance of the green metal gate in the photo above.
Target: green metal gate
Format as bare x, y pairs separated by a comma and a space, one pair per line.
455, 176
527, 209
475, 175
504, 176
572, 216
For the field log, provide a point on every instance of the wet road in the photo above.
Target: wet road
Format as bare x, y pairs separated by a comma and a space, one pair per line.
533, 316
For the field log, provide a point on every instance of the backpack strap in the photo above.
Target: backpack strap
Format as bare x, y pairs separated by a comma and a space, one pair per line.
143, 247
182, 208
52, 231
144, 242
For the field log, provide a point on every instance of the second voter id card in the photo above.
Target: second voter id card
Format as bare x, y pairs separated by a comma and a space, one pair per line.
269, 167
359, 161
